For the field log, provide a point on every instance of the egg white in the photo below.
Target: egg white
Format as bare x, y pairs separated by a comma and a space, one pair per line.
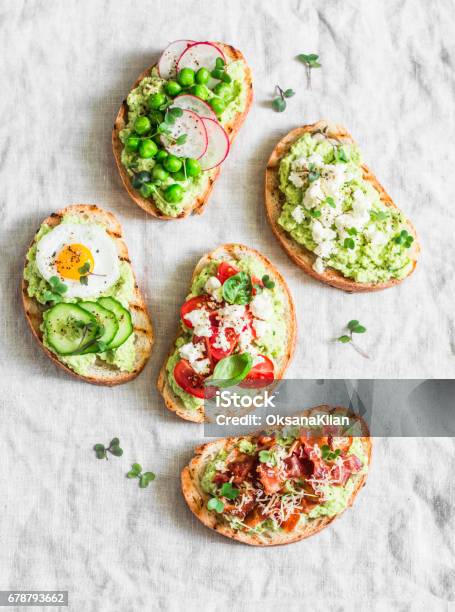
102, 247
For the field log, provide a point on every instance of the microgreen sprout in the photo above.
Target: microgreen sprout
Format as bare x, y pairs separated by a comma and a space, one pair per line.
268, 284
329, 455
228, 491
353, 327
279, 103
404, 238
57, 290
215, 504
113, 448
145, 478
310, 60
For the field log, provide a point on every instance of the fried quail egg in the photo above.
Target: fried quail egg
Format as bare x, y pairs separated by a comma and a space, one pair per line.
82, 256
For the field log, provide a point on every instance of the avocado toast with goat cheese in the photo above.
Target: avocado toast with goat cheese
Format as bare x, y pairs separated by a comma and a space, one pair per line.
332, 216
281, 485
239, 308
176, 126
81, 298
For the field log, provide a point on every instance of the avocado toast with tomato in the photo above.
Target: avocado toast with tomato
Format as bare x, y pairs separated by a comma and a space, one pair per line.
278, 486
81, 299
176, 126
239, 316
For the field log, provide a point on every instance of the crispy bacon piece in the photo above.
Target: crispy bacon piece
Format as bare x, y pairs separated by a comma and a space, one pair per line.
341, 442
265, 441
241, 467
254, 517
290, 523
231, 508
220, 478
298, 468
353, 464
269, 478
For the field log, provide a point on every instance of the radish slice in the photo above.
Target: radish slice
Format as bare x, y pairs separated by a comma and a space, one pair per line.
195, 144
218, 145
200, 55
195, 104
167, 64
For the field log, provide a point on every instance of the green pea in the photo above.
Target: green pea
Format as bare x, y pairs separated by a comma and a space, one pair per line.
157, 140
161, 155
186, 77
173, 193
200, 91
173, 88
222, 89
156, 100
132, 143
140, 178
142, 125
179, 175
202, 76
159, 173
217, 74
147, 190
172, 163
193, 167
219, 62
147, 149
156, 116
218, 105
226, 78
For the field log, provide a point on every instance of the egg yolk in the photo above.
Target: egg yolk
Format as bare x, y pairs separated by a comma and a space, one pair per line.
71, 259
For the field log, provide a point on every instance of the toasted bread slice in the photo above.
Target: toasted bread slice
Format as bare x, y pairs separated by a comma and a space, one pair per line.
236, 252
232, 128
297, 252
101, 373
197, 499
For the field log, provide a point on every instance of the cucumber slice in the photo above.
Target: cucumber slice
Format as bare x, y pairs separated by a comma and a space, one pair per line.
69, 328
124, 320
106, 320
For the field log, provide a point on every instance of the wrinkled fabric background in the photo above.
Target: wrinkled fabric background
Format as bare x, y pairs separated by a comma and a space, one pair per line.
69, 521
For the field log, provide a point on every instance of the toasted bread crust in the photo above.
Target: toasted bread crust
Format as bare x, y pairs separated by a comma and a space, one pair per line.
232, 128
298, 253
197, 499
103, 373
236, 251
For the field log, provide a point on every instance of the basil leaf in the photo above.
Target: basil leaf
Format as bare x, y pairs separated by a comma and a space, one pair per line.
238, 289
232, 370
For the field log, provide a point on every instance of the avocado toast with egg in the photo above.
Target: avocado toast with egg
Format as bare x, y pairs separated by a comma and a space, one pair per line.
81, 299
281, 485
176, 126
332, 216
238, 315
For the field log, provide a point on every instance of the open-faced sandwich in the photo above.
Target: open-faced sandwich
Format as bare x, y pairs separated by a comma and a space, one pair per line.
239, 318
176, 126
279, 486
332, 216
81, 299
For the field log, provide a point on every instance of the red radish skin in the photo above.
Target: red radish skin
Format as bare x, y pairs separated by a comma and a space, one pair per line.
167, 64
196, 142
195, 104
218, 145
200, 55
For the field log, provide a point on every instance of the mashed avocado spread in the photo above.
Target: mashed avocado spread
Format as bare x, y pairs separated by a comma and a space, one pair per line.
334, 212
271, 344
124, 356
137, 106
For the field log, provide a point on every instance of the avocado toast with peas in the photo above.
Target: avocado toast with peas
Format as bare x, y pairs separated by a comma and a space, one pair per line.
332, 216
238, 317
176, 126
81, 299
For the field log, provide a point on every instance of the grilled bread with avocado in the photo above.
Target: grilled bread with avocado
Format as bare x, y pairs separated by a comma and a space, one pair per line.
332, 216
237, 323
176, 126
278, 486
81, 298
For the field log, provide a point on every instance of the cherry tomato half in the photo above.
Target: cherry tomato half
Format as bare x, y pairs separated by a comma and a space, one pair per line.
195, 303
188, 379
225, 271
215, 354
261, 375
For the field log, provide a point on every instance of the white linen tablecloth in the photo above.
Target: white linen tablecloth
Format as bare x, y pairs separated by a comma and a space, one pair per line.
69, 521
